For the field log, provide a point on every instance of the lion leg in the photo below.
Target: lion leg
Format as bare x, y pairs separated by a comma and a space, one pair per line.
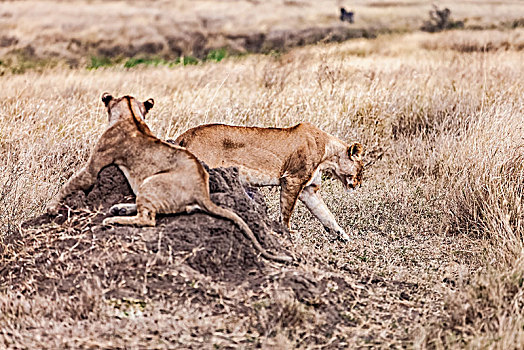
145, 214
82, 180
288, 199
313, 201
123, 209
160, 181
165, 193
141, 219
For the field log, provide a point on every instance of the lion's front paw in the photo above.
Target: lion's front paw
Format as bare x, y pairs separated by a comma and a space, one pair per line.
343, 237
338, 234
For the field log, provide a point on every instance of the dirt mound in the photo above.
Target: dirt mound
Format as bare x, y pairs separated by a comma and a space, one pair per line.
212, 246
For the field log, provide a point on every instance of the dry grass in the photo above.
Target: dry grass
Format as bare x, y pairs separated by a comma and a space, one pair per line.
488, 40
439, 217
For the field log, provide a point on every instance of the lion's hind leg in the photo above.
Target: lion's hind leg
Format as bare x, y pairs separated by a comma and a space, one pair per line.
144, 217
146, 207
123, 209
165, 193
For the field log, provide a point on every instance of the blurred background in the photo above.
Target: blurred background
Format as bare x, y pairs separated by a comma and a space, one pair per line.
95, 33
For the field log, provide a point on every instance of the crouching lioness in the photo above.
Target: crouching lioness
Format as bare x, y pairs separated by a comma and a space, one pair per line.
165, 178
292, 158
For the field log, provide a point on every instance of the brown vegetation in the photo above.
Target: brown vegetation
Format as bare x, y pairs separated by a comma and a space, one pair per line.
439, 20
36, 34
436, 259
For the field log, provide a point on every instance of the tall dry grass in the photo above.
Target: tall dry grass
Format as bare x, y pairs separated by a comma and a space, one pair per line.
442, 201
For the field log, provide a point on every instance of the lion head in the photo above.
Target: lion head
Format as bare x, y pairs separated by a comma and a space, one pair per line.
347, 166
118, 108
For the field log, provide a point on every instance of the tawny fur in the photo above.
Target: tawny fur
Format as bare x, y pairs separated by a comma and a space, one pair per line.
292, 158
165, 178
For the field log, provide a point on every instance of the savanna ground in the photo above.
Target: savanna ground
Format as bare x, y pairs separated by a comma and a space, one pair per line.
437, 256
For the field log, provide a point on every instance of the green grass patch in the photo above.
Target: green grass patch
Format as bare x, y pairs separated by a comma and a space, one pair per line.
20, 62
157, 61
101, 61
134, 61
185, 60
216, 55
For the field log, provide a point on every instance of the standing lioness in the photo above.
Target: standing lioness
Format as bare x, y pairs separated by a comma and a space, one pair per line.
292, 158
165, 178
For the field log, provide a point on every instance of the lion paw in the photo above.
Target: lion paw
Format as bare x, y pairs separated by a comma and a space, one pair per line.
123, 209
339, 235
115, 210
343, 237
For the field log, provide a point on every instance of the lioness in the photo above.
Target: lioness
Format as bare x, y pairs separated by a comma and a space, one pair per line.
164, 177
293, 158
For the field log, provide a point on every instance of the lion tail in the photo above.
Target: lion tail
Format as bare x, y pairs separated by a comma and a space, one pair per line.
214, 209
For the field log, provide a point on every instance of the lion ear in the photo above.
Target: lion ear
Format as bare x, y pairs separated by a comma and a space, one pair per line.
149, 104
355, 151
106, 98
